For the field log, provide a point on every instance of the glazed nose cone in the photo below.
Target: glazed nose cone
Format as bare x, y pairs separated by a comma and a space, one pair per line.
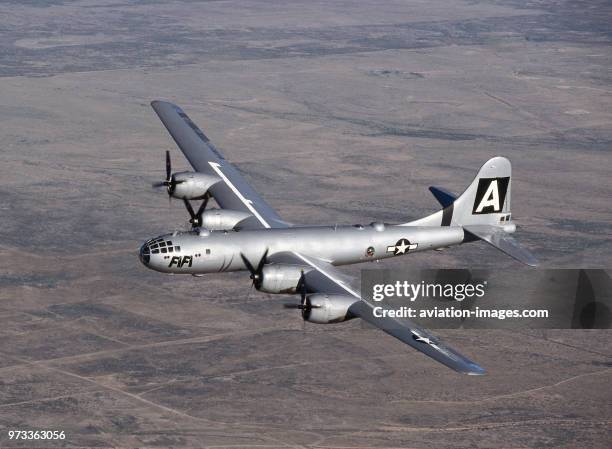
144, 254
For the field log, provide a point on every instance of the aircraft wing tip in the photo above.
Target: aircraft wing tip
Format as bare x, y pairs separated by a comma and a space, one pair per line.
155, 104
476, 370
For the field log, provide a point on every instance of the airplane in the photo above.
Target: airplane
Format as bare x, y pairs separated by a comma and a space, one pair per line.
246, 234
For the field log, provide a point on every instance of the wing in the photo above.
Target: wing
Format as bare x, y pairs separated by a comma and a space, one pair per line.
233, 192
421, 340
325, 278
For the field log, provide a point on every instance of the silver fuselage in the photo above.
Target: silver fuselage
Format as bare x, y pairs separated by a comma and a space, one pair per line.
200, 252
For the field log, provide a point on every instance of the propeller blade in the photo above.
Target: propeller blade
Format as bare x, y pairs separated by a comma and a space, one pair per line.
247, 263
293, 306
168, 166
157, 185
301, 287
300, 306
171, 183
305, 310
202, 209
262, 261
189, 209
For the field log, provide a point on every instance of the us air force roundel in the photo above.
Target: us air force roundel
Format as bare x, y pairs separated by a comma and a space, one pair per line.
490, 195
402, 247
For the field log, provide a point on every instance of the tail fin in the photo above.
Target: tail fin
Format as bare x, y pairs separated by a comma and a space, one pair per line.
483, 209
444, 197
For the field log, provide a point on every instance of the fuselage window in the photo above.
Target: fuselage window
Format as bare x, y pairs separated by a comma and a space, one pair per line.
177, 248
207, 251
164, 250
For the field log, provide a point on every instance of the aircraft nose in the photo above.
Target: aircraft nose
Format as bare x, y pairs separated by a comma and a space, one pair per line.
145, 254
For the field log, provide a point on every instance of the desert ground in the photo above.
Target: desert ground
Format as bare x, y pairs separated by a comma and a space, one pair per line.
337, 112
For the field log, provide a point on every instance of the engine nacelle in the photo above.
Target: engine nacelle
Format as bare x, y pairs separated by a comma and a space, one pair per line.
279, 278
325, 309
190, 185
218, 219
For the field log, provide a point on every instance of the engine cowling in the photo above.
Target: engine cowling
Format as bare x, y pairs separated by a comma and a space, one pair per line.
325, 309
279, 278
222, 219
190, 185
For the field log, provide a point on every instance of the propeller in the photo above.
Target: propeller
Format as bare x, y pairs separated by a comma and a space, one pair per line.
305, 305
256, 272
196, 217
170, 182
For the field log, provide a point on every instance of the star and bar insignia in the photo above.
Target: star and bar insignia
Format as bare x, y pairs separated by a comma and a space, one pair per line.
402, 247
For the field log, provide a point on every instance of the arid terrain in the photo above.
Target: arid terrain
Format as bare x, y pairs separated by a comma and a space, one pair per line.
337, 112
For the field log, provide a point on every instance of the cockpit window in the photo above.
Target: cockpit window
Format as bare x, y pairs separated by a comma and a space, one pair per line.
158, 245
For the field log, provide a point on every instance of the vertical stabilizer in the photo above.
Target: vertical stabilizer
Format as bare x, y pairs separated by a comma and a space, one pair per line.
482, 210
486, 201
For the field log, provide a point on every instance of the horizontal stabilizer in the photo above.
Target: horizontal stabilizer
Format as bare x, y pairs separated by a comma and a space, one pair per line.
444, 197
498, 238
